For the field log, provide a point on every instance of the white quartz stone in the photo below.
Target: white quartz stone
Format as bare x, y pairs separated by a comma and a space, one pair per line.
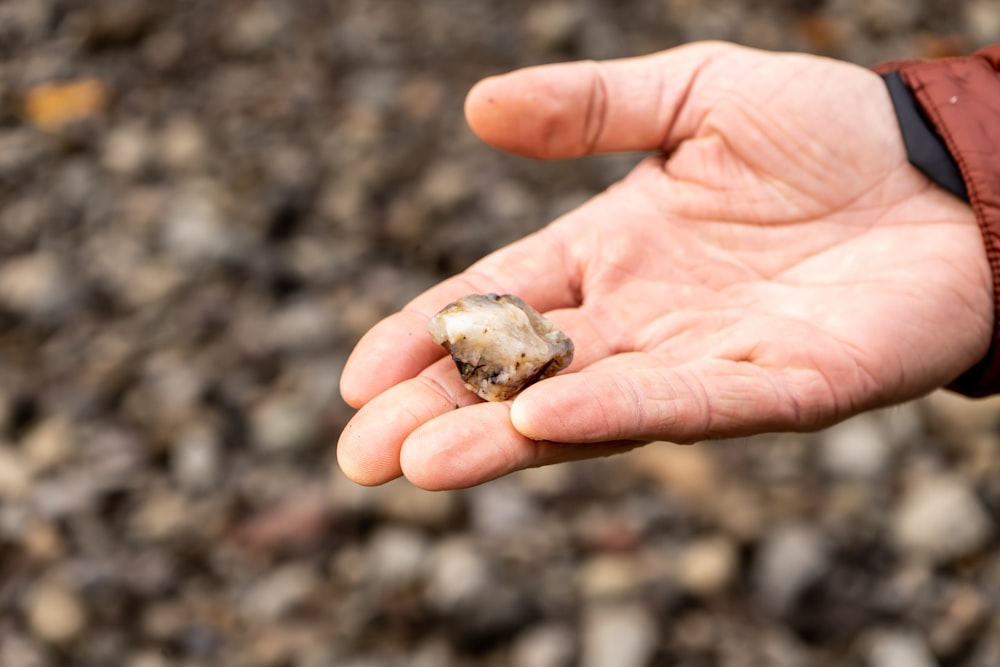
500, 344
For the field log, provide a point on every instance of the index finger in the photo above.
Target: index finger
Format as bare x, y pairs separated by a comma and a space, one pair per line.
536, 268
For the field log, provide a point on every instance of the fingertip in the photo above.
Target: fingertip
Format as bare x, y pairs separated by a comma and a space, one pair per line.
350, 391
356, 460
524, 413
493, 115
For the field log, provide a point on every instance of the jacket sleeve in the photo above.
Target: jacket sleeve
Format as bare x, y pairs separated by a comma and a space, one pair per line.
961, 99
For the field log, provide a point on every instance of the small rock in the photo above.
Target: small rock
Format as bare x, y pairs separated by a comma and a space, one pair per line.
478, 608
553, 25
49, 444
197, 230
20, 149
458, 573
706, 566
128, 149
790, 558
41, 541
148, 659
255, 27
182, 144
303, 325
195, 458
283, 423
899, 649
396, 556
940, 518
55, 613
160, 515
53, 106
854, 448
35, 286
445, 185
19, 651
15, 474
279, 592
619, 635
611, 576
551, 645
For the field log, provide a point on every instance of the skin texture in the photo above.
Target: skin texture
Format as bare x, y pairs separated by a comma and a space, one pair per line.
778, 265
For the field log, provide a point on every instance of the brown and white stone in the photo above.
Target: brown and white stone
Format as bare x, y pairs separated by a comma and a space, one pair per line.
500, 344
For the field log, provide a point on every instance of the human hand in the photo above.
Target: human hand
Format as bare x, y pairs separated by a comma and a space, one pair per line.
780, 266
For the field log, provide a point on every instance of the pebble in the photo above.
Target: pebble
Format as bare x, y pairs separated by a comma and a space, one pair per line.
15, 474
479, 608
55, 613
182, 145
895, 648
19, 150
19, 651
160, 515
49, 445
283, 423
36, 287
618, 635
196, 458
458, 573
611, 576
198, 232
706, 566
255, 27
279, 592
855, 448
790, 558
53, 106
548, 645
397, 555
554, 24
128, 150
940, 518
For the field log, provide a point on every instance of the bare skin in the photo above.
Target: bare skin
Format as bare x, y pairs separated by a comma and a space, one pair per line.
779, 266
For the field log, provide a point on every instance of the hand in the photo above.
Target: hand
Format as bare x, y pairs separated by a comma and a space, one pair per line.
778, 266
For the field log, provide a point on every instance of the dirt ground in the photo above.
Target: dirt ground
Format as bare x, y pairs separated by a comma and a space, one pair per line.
205, 203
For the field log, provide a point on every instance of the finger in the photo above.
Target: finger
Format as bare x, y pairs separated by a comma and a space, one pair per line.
536, 268
369, 446
572, 109
477, 444
696, 401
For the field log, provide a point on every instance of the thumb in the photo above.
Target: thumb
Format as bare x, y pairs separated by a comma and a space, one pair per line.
707, 400
572, 109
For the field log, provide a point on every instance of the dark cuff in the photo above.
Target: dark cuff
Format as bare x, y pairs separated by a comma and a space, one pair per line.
925, 148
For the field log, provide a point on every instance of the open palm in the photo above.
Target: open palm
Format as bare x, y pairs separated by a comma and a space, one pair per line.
779, 266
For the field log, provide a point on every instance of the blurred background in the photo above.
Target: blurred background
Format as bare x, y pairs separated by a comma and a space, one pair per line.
203, 205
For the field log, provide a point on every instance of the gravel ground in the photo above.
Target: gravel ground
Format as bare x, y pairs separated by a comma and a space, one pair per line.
204, 203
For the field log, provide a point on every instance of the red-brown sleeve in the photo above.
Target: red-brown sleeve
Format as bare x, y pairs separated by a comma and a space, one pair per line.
961, 98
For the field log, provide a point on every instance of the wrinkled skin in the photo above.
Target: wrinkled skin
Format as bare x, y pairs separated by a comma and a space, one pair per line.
777, 266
